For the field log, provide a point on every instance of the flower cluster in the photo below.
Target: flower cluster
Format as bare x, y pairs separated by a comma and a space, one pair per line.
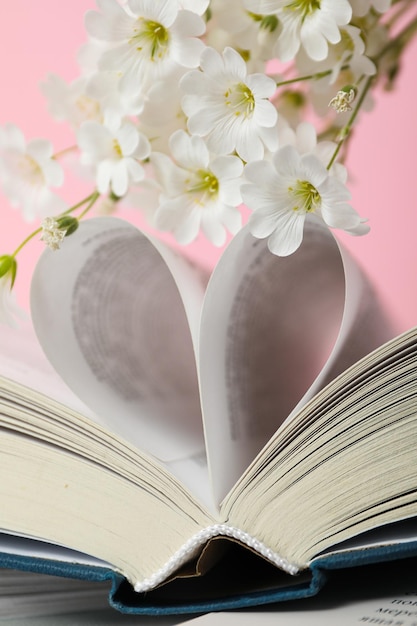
198, 108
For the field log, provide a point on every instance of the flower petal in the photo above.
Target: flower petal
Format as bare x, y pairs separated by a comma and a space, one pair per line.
288, 235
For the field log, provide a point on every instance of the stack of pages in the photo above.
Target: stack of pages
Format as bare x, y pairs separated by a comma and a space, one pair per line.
204, 442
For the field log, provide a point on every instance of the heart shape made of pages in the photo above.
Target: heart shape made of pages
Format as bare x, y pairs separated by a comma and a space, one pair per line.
134, 330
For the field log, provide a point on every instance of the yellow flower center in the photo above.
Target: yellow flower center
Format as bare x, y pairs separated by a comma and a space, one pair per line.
89, 108
304, 7
240, 100
30, 170
151, 38
205, 186
346, 42
117, 149
306, 197
267, 22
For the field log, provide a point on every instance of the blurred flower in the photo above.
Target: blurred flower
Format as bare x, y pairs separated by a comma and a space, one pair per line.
10, 311
71, 103
251, 35
115, 153
349, 52
197, 6
27, 171
162, 116
362, 7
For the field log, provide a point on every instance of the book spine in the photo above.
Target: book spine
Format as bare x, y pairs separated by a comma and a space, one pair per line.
191, 548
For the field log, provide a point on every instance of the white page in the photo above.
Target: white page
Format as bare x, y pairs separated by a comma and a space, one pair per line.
23, 361
109, 617
109, 318
273, 331
21, 545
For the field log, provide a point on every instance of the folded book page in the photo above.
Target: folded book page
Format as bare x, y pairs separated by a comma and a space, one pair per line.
120, 338
274, 331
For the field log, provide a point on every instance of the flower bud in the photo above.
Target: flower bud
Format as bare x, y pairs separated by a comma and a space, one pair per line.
8, 265
270, 23
343, 99
55, 229
67, 223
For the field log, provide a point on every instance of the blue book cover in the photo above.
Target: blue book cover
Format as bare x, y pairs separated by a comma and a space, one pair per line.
194, 596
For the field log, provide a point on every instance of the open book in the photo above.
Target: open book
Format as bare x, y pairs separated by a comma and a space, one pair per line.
219, 441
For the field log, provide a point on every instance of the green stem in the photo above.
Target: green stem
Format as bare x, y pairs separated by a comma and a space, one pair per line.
25, 241
300, 79
346, 130
402, 10
400, 41
316, 76
61, 153
91, 199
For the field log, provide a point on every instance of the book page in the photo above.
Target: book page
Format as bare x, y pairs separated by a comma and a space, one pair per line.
108, 314
28, 594
21, 545
343, 466
23, 361
274, 331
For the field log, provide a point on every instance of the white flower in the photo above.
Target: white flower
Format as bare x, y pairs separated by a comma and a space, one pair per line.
71, 102
282, 192
304, 140
198, 192
312, 24
103, 87
27, 172
320, 100
196, 6
228, 107
162, 116
93, 96
349, 54
231, 25
115, 153
89, 55
291, 104
362, 7
144, 197
52, 234
149, 40
342, 100
9, 309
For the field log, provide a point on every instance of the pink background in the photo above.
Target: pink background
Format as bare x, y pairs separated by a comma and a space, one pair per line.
43, 36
